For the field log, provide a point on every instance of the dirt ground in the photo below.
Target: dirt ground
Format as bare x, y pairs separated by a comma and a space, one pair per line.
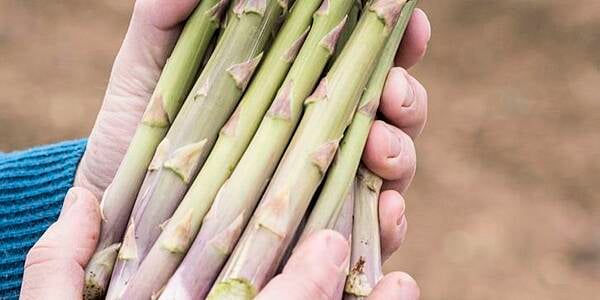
504, 205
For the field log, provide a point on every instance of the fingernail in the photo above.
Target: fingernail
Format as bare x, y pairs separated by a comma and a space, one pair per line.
70, 199
409, 96
338, 248
399, 221
394, 144
407, 289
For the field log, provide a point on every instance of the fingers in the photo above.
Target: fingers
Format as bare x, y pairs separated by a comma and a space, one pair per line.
404, 102
392, 222
166, 14
396, 285
54, 268
416, 38
390, 153
316, 270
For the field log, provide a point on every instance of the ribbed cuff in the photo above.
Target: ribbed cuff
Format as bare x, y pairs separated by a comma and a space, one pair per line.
33, 184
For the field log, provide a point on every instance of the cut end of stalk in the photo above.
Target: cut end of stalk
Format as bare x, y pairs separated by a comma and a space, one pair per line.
324, 155
93, 290
232, 289
242, 73
291, 54
357, 283
98, 272
282, 105
155, 114
128, 250
185, 160
388, 11
369, 179
179, 236
330, 40
319, 94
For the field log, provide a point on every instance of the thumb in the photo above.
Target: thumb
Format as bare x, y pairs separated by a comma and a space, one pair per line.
316, 270
54, 268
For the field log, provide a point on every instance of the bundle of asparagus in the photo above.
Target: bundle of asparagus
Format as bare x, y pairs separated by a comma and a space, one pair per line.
197, 169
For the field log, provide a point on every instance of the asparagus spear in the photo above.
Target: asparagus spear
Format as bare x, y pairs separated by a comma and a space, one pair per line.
170, 248
342, 172
312, 149
171, 89
186, 146
343, 225
365, 260
236, 199
344, 222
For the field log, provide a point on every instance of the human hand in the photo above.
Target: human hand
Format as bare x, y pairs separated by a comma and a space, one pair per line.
54, 266
154, 28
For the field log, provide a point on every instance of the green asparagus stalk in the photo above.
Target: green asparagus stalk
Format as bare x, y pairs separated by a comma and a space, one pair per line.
237, 197
174, 83
307, 158
353, 16
187, 144
170, 248
342, 172
365, 260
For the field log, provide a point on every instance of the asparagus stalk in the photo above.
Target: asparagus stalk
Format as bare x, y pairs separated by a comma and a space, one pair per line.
344, 222
365, 258
343, 225
342, 172
170, 248
186, 146
238, 196
312, 149
174, 83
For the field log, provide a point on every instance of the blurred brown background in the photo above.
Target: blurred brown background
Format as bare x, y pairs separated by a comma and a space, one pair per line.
504, 205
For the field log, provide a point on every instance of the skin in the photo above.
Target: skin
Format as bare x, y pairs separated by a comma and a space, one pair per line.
314, 271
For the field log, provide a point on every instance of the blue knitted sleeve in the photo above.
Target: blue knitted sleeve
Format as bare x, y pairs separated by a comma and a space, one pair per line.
33, 184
